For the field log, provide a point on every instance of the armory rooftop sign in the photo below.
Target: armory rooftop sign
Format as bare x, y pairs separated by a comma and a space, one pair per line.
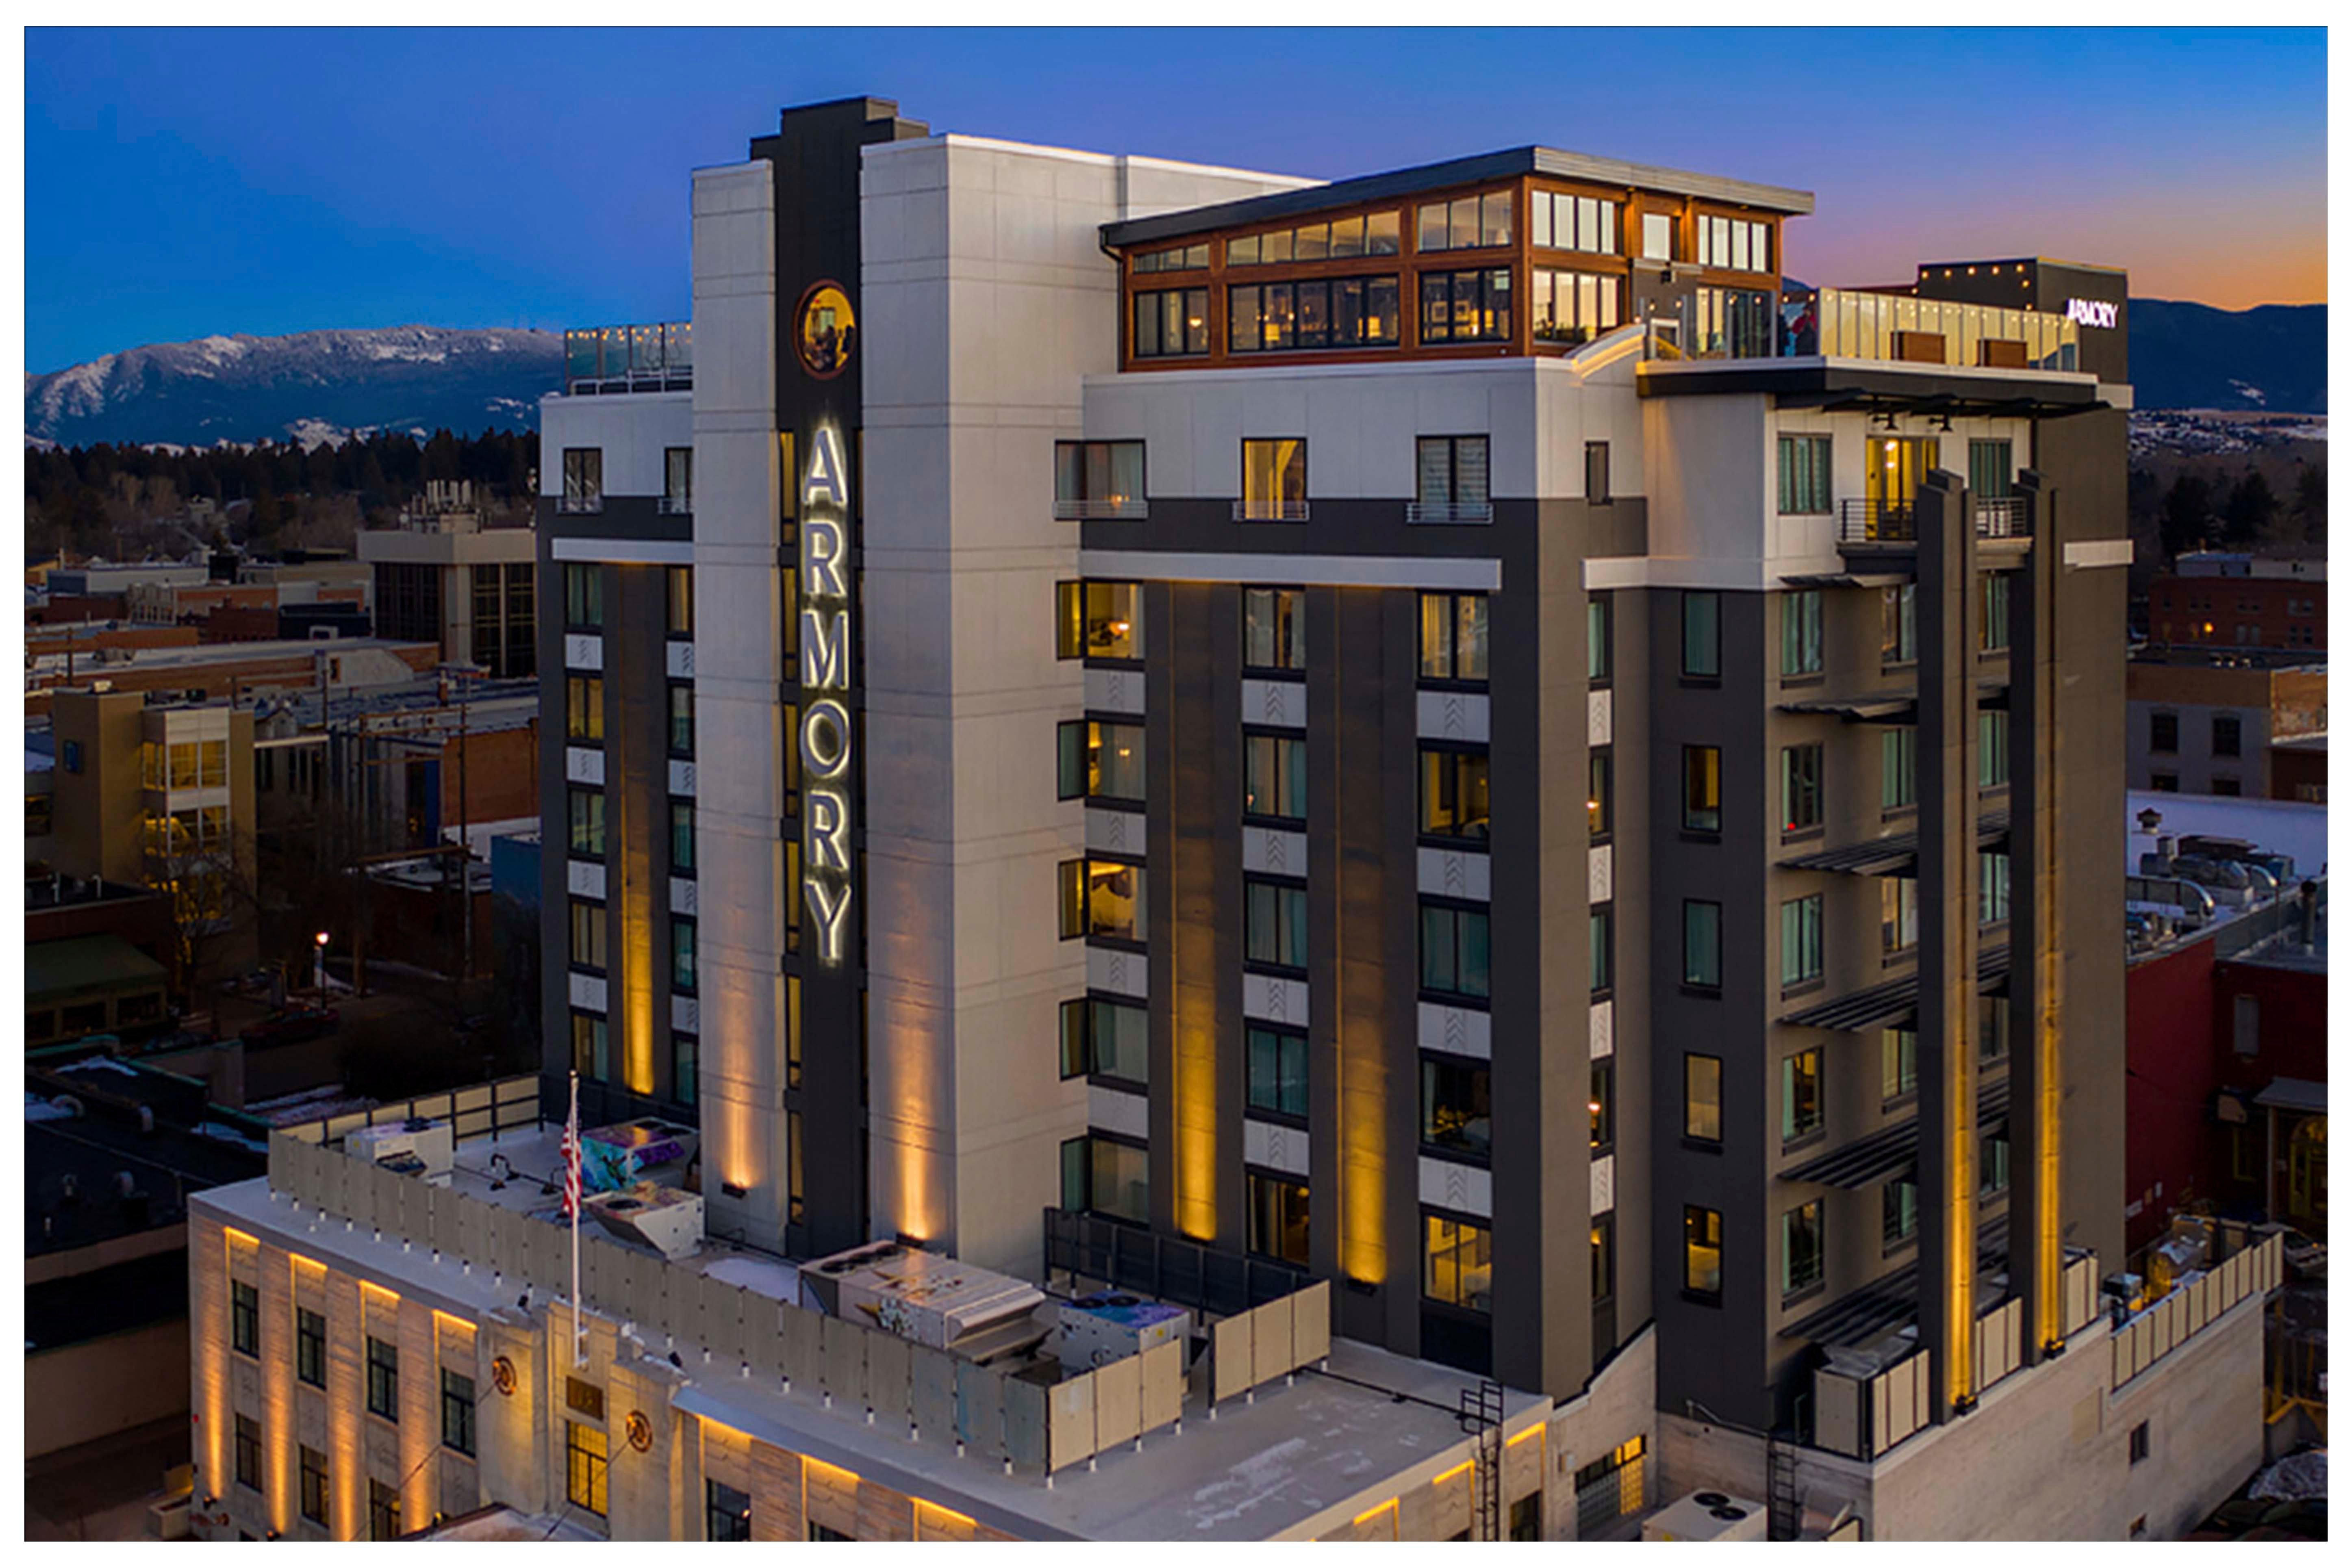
825, 737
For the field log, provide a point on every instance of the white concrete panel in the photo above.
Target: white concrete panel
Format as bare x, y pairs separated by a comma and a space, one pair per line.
686, 1014
1274, 1146
584, 878
587, 992
1465, 1189
1463, 1031
1281, 704
1605, 1183
1274, 1000
1456, 874
1273, 852
584, 765
1115, 832
631, 429
1601, 716
1121, 973
1451, 715
1604, 1030
684, 896
1115, 690
677, 659
681, 776
584, 650
1603, 873
1116, 1111
2099, 552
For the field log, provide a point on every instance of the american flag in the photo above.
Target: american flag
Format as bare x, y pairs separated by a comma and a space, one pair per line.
571, 1154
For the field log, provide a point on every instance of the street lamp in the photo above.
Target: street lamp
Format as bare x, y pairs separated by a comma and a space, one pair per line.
318, 971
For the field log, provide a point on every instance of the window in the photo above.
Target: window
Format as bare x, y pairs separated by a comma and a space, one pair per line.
1804, 476
587, 822
1600, 806
1992, 1028
1602, 1106
1992, 622
1456, 1262
1278, 1218
587, 934
583, 707
1600, 626
1453, 636
2226, 728
1703, 789
1273, 481
1600, 947
1604, 1258
1118, 1180
1898, 1064
457, 1411
1456, 1108
1274, 629
245, 1318
1097, 478
1992, 749
681, 953
825, 1532
1465, 307
681, 836
1273, 923
383, 1511
2164, 732
583, 479
1453, 793
1175, 258
1276, 1070
1800, 1095
726, 1513
678, 480
584, 1396
382, 1378
1898, 768
1099, 760
1466, 223
1573, 307
1898, 1212
1273, 777
1596, 473
585, 1467
1898, 914
1453, 950
1742, 245
1111, 1038
1702, 1252
311, 1347
1800, 940
1702, 943
314, 1485
1800, 633
591, 1056
1657, 236
1451, 478
1702, 1097
1370, 234
1992, 889
2139, 1444
2226, 787
1526, 1513
1558, 221
681, 720
1170, 321
1898, 625
1801, 788
1099, 620
1993, 1164
1702, 635
1801, 1247
1102, 898
681, 601
1313, 313
2246, 1024
1989, 470
685, 1069
249, 1452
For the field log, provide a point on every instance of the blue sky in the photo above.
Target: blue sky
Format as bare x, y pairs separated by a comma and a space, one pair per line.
179, 183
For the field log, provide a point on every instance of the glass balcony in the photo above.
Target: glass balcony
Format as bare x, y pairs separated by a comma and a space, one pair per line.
658, 357
1846, 324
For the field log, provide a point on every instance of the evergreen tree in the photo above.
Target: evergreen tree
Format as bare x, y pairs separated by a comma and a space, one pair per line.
2247, 516
2310, 502
2188, 515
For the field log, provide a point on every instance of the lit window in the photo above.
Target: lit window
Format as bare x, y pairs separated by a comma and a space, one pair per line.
1273, 481
1458, 1262
1278, 1218
1097, 478
1274, 629
1169, 322
1702, 1097
1457, 1109
1454, 638
1702, 1252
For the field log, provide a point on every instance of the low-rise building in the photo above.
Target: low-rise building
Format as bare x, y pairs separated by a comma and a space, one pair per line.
442, 575
2197, 726
2218, 599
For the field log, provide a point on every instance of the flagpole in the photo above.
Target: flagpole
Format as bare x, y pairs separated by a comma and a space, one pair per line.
572, 1190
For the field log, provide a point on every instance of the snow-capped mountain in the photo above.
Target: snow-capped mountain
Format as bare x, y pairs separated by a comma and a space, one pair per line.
246, 388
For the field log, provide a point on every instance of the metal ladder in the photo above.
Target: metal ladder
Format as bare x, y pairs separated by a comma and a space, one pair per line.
1480, 1411
1784, 1503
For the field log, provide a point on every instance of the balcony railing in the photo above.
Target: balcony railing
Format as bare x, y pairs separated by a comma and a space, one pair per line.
579, 505
658, 357
1862, 522
1449, 511
1270, 511
674, 506
1086, 508
1857, 323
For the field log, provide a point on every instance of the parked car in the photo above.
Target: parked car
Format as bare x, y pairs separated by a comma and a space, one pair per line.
291, 1026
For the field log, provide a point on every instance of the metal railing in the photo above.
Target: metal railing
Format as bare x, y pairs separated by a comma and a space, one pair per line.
674, 506
574, 506
1167, 1268
501, 1105
1863, 522
655, 357
1449, 511
1084, 509
1270, 511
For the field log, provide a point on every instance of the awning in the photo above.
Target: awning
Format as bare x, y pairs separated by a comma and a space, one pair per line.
2295, 1094
1892, 1000
1871, 1159
79, 966
1889, 707
1895, 854
1893, 1300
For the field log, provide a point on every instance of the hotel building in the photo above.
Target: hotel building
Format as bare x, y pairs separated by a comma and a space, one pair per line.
1446, 744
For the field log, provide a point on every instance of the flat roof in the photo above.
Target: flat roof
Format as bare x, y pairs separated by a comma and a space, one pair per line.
1504, 164
85, 964
2291, 828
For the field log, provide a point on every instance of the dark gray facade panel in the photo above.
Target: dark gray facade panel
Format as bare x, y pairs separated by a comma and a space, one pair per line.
621, 517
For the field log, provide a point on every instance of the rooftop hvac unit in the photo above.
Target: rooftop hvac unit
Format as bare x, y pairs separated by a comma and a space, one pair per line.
666, 1219
1111, 1326
928, 1298
1706, 1516
414, 1148
621, 1155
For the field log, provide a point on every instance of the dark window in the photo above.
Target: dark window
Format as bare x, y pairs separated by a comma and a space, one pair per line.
1451, 478
681, 720
1992, 749
1800, 1095
685, 1069
1801, 788
726, 1513
457, 1411
1454, 638
1801, 1247
678, 480
587, 806
1800, 633
1273, 923
1898, 1064
1278, 1218
1898, 1212
1898, 631
1993, 1164
1099, 759
1453, 793
1171, 321
1175, 258
311, 1347
2226, 728
2227, 786
1111, 1039
1313, 313
1702, 1252
825, 1532
587, 934
1465, 307
1702, 634
249, 1452
681, 836
1992, 625
681, 953
1458, 1262
1898, 768
583, 479
1466, 223
1989, 470
1273, 777
583, 597
1599, 625
314, 1486
2139, 1442
1702, 1097
383, 1511
1703, 789
1275, 1069
1526, 1513
1274, 629
1118, 1180
591, 1054
1097, 478
1604, 1258
1596, 473
1456, 1108
382, 1378
1898, 913
1804, 476
1453, 950
1600, 804
1800, 940
1601, 948
245, 1318
1702, 942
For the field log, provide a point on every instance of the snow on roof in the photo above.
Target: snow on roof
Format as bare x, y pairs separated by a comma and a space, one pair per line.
2292, 827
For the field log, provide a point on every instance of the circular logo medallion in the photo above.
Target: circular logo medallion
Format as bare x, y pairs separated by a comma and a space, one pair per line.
641, 1431
502, 1375
824, 331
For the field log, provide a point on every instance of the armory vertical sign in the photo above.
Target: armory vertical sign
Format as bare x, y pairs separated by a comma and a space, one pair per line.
825, 737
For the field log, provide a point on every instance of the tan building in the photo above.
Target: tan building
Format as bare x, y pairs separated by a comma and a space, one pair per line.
149, 794
2204, 728
442, 575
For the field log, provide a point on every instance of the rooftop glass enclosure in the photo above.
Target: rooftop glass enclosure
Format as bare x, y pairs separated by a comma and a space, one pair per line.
654, 358
1847, 323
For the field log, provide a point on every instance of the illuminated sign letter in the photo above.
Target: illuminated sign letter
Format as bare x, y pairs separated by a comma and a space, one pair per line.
820, 547
828, 481
825, 738
824, 649
828, 902
828, 831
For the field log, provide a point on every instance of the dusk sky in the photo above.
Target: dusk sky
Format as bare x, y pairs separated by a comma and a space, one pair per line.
182, 183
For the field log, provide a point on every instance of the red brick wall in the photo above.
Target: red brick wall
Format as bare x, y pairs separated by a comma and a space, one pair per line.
500, 773
2180, 609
